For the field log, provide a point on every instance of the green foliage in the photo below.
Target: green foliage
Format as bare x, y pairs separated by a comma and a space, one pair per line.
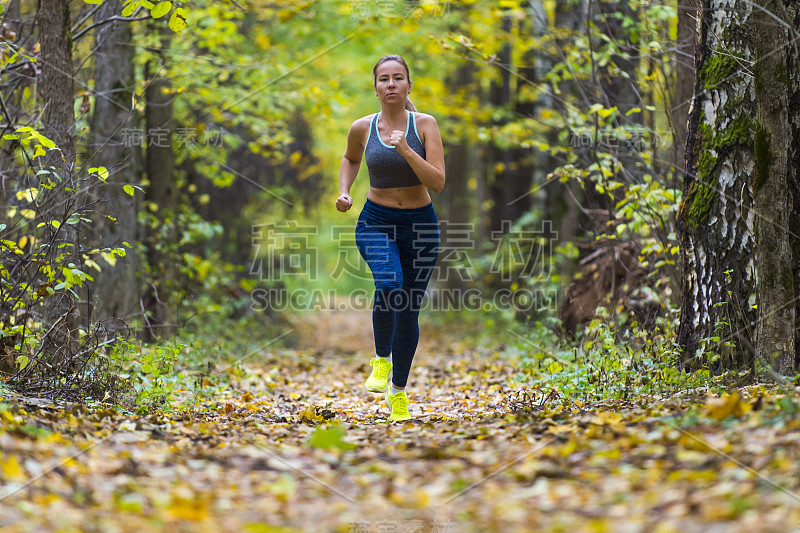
177, 21
147, 371
330, 437
43, 264
635, 365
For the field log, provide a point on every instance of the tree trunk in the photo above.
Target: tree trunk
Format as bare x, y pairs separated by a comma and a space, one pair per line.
161, 197
715, 218
456, 203
499, 159
618, 83
563, 203
57, 91
772, 197
56, 84
684, 79
115, 290
792, 16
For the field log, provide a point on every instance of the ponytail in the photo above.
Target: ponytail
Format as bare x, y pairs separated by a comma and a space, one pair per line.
409, 105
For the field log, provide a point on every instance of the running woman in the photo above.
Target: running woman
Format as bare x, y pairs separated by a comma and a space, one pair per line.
397, 232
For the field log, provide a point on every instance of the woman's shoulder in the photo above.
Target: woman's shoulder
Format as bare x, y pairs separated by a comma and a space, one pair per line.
421, 115
362, 124
424, 118
426, 125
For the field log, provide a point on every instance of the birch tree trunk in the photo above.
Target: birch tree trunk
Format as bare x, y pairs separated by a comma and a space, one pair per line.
715, 219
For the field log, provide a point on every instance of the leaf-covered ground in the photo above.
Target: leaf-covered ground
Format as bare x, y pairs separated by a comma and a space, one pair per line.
298, 445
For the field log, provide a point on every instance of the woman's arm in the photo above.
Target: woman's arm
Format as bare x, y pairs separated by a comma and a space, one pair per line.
430, 170
351, 162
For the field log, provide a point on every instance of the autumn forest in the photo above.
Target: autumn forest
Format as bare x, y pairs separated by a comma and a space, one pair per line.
600, 313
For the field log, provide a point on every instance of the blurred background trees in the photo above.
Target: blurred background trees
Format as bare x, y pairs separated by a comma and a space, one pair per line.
602, 156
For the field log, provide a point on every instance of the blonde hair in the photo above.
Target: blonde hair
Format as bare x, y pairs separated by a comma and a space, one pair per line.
394, 57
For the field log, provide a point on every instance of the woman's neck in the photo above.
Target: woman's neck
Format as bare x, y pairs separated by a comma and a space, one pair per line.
393, 115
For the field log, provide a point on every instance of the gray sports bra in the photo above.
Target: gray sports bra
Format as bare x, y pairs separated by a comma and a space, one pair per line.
386, 167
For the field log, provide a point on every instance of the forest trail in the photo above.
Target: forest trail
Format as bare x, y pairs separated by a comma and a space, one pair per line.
298, 445
448, 381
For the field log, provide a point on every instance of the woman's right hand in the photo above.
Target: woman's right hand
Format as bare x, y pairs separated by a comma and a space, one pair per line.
344, 202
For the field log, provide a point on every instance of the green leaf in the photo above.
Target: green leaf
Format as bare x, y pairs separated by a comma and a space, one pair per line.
330, 437
102, 173
128, 189
161, 9
129, 9
22, 361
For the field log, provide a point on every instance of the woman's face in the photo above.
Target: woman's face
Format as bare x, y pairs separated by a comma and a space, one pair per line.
391, 82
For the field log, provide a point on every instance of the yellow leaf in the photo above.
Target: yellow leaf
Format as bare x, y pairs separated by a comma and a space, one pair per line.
561, 428
606, 112
607, 418
177, 22
28, 194
195, 510
262, 41
228, 408
310, 414
719, 408
11, 469
109, 258
161, 9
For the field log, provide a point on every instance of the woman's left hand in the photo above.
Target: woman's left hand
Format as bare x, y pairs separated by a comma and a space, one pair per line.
398, 140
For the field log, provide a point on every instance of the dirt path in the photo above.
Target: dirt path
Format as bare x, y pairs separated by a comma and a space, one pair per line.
299, 445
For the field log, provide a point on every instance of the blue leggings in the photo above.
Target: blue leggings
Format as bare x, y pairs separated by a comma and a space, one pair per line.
401, 247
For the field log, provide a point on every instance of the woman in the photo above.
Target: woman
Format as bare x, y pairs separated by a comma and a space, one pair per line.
397, 231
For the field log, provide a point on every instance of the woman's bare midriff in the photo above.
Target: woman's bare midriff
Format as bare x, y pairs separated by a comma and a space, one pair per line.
401, 197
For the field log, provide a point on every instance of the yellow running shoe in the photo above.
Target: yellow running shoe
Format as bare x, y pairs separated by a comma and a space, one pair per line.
398, 406
379, 378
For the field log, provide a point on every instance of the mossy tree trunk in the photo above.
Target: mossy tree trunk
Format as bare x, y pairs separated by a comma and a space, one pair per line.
715, 219
771, 197
792, 17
